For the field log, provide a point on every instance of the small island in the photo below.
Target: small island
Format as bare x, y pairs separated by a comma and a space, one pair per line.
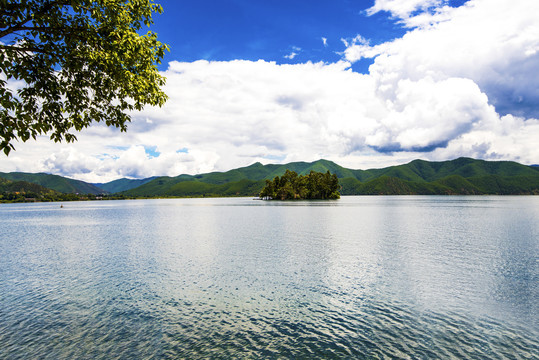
292, 186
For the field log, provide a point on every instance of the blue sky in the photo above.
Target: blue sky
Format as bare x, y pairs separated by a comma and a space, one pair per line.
393, 81
225, 30
270, 30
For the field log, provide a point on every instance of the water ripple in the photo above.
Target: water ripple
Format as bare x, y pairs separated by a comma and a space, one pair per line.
414, 279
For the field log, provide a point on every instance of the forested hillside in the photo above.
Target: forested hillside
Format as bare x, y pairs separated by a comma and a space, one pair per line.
460, 176
55, 182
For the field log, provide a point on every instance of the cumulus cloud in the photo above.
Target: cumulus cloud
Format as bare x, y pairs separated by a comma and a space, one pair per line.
221, 115
501, 138
440, 81
461, 82
494, 43
425, 114
119, 162
265, 109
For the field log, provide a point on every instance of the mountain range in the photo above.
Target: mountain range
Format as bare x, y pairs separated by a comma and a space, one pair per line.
54, 182
459, 176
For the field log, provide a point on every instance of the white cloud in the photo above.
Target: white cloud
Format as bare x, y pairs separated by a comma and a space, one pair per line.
492, 42
262, 108
325, 41
359, 48
295, 52
502, 138
12, 85
405, 9
426, 114
227, 114
291, 55
461, 83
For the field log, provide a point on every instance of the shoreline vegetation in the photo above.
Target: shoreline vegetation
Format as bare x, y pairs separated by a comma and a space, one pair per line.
26, 198
292, 186
462, 176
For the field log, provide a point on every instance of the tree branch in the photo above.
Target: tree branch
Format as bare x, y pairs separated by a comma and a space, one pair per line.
12, 29
19, 26
43, 29
24, 49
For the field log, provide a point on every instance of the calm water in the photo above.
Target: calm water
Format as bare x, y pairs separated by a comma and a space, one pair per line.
361, 277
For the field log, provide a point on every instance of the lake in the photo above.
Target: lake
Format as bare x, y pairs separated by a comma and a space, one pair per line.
412, 277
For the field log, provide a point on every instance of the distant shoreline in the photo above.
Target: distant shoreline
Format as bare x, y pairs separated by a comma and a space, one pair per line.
250, 197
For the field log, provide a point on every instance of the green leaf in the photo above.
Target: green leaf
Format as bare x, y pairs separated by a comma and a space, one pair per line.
82, 62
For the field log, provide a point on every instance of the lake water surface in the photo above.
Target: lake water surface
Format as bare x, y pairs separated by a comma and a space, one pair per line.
362, 277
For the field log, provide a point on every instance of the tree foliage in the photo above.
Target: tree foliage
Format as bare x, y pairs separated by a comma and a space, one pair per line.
314, 185
67, 63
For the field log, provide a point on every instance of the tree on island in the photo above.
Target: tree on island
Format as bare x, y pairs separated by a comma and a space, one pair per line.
75, 62
292, 186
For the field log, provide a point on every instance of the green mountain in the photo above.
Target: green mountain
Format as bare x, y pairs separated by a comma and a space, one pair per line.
54, 182
9, 186
20, 191
119, 185
459, 176
246, 181
421, 170
23, 191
